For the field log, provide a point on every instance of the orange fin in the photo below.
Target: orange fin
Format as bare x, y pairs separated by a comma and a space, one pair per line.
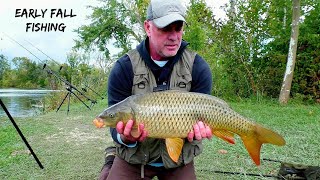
268, 136
253, 146
174, 147
225, 135
135, 131
260, 135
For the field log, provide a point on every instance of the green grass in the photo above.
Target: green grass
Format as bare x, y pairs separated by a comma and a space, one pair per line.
299, 125
70, 147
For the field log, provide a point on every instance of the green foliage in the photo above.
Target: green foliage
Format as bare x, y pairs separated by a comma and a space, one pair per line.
201, 32
254, 43
4, 66
240, 41
119, 23
272, 65
199, 29
25, 74
247, 51
307, 74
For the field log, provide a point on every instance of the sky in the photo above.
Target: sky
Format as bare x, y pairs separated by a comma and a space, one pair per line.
16, 21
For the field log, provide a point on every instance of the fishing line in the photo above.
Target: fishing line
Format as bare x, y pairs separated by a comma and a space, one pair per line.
44, 53
31, 52
22, 47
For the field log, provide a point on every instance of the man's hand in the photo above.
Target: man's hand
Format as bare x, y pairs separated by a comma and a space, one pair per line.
125, 132
200, 131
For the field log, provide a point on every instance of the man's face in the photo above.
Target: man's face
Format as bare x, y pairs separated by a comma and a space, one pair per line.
164, 42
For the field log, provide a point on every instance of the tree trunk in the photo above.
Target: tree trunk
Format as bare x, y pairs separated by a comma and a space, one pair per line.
288, 76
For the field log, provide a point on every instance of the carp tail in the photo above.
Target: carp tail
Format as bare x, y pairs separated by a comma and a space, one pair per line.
260, 135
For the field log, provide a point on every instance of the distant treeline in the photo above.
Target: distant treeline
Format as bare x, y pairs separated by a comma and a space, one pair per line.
27, 74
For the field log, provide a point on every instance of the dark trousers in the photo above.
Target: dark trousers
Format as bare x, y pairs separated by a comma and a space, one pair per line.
125, 171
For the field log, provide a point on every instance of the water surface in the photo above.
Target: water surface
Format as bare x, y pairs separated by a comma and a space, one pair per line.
21, 102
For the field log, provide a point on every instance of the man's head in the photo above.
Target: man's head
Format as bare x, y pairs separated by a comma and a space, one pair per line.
164, 27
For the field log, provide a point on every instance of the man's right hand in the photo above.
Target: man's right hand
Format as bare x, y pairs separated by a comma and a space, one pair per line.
125, 132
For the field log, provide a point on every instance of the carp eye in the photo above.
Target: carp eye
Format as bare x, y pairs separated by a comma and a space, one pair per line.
111, 115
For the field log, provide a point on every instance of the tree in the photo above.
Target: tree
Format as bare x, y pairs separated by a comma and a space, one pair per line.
25, 74
119, 23
288, 76
241, 39
4, 67
201, 33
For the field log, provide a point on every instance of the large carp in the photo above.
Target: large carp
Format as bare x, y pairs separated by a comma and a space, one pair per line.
171, 115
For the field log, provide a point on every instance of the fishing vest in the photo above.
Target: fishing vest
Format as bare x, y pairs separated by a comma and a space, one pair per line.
151, 150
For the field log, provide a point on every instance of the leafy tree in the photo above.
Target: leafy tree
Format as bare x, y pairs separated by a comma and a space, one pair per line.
25, 74
254, 42
83, 76
272, 63
201, 32
116, 22
4, 67
241, 40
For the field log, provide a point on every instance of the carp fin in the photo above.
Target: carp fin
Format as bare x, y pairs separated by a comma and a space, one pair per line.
174, 147
225, 135
261, 135
253, 146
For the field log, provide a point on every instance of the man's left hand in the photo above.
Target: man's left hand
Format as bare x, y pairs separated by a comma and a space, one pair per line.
200, 131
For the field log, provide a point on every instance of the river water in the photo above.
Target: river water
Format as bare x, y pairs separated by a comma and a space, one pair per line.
22, 103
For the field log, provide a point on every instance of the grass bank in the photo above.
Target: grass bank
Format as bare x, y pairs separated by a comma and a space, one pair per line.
70, 147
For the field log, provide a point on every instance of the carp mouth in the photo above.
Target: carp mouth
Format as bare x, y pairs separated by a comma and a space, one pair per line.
99, 123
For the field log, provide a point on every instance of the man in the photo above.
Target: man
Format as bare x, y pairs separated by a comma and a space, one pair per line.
161, 62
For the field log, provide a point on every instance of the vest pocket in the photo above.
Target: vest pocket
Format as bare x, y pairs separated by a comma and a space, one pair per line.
140, 84
182, 82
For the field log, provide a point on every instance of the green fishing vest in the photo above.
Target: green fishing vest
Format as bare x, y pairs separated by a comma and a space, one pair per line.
151, 149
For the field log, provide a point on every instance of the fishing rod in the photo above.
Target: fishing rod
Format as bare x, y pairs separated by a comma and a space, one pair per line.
69, 87
68, 83
20, 133
44, 66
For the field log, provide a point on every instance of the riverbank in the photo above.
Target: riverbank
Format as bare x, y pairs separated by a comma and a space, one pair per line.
70, 147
